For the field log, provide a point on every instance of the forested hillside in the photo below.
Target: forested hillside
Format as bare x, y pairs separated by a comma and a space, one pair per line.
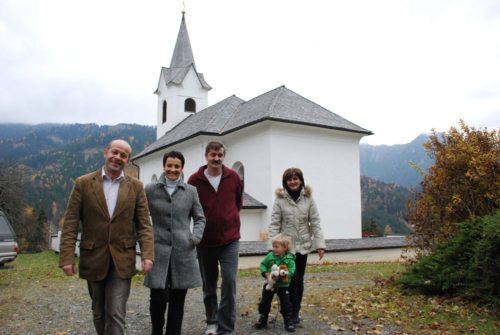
51, 156
383, 205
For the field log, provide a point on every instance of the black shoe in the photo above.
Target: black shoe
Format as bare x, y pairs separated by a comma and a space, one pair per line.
262, 323
289, 327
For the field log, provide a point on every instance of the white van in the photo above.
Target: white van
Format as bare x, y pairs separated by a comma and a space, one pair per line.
8, 241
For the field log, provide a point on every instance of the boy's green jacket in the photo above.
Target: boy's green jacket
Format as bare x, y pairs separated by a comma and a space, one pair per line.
288, 259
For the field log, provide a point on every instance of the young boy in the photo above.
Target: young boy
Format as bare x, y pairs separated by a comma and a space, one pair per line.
279, 256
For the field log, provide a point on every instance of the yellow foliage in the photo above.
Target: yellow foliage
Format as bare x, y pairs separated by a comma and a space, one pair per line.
463, 183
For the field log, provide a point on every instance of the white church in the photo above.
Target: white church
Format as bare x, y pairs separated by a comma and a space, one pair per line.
264, 135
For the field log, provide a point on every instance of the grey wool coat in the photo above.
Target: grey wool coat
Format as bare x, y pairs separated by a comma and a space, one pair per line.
174, 242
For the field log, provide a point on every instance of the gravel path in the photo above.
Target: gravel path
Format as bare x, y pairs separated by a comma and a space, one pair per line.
64, 309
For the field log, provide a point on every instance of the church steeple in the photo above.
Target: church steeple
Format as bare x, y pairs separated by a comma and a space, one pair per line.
181, 90
183, 53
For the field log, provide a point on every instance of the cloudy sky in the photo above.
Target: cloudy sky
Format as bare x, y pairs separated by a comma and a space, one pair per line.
397, 68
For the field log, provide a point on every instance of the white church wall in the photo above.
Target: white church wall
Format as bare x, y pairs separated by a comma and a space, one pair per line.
251, 220
328, 158
330, 162
250, 146
149, 166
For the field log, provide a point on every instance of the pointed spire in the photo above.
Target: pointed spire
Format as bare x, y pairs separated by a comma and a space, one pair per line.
183, 54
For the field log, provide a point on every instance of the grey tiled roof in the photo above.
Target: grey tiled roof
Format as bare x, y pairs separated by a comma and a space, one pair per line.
250, 202
176, 76
183, 53
282, 104
208, 121
233, 113
182, 59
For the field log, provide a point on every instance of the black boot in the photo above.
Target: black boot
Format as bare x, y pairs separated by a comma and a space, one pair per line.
289, 324
262, 323
295, 318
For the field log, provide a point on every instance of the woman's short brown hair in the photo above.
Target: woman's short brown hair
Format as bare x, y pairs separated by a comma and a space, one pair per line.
292, 172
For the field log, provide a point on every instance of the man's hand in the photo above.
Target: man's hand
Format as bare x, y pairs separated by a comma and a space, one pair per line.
147, 265
321, 253
69, 270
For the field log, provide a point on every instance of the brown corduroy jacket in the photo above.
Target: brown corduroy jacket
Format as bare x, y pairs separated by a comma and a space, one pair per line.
105, 238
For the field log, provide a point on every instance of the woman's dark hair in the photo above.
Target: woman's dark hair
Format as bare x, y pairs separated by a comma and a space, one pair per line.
290, 173
174, 154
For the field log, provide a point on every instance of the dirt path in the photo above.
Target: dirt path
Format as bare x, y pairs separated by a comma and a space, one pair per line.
46, 308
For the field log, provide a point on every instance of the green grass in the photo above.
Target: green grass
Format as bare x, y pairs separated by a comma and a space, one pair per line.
359, 270
383, 302
32, 267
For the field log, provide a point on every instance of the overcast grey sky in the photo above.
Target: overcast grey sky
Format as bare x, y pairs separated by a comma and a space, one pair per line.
397, 68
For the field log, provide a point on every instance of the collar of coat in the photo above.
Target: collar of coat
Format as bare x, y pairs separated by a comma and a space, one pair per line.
162, 181
307, 192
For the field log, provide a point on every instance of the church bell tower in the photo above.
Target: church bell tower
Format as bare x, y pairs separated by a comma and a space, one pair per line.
181, 90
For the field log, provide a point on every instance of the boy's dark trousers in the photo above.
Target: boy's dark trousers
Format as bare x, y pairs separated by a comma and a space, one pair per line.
283, 295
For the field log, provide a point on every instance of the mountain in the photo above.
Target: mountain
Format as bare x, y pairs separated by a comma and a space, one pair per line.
27, 143
52, 156
392, 163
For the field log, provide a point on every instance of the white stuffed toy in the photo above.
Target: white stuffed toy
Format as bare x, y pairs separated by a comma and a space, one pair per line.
273, 277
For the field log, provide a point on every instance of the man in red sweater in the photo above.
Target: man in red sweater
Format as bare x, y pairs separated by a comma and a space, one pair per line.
221, 194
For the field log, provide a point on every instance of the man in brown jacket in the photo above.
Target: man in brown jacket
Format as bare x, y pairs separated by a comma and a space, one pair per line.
112, 211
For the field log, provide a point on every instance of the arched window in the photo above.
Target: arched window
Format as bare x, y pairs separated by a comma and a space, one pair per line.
164, 112
190, 105
240, 169
154, 178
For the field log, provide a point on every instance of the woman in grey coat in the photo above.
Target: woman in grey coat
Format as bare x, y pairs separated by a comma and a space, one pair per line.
172, 204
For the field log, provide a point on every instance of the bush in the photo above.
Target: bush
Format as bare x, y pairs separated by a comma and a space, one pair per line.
468, 266
460, 186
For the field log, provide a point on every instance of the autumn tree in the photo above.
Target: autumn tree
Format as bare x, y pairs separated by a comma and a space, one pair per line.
463, 183
13, 204
12, 200
38, 236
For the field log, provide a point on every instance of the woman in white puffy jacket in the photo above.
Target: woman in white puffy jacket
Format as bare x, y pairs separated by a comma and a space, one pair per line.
295, 214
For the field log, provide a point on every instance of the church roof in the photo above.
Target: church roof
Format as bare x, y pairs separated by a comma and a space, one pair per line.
182, 60
176, 76
250, 202
233, 113
183, 53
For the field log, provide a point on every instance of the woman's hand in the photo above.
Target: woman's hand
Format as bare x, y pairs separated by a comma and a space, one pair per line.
321, 253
